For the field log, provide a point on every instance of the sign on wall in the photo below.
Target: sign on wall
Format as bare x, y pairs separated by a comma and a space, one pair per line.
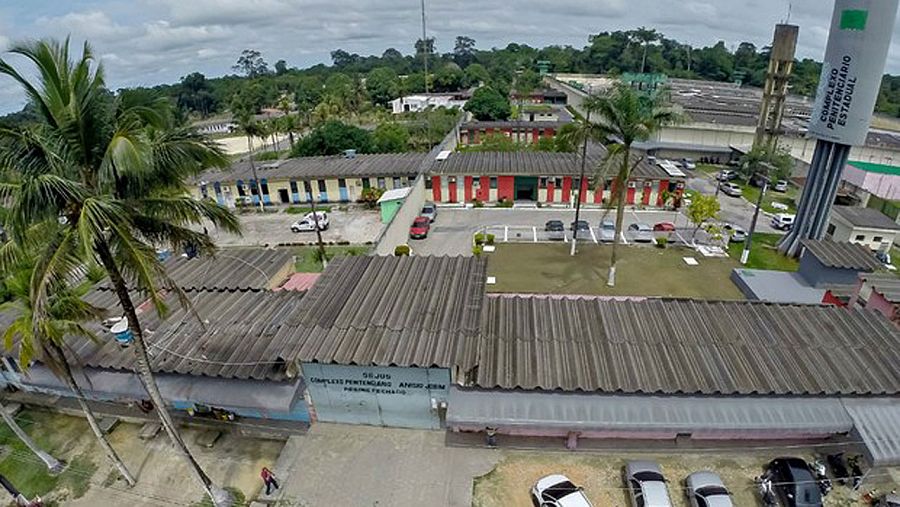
380, 396
851, 73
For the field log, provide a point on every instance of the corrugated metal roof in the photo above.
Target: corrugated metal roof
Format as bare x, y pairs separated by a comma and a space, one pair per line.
593, 412
865, 217
878, 424
229, 269
886, 284
392, 311
223, 334
300, 281
687, 347
534, 163
843, 254
306, 168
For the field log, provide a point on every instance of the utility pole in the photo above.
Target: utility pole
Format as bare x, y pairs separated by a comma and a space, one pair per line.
424, 47
262, 207
745, 255
587, 120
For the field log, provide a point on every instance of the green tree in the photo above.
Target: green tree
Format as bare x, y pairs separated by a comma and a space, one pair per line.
383, 85
251, 64
701, 210
774, 162
623, 117
476, 74
390, 137
332, 138
464, 50
449, 78
488, 104
645, 36
196, 94
495, 142
116, 171
41, 333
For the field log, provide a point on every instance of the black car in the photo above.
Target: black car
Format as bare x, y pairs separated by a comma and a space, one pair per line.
554, 226
794, 483
581, 226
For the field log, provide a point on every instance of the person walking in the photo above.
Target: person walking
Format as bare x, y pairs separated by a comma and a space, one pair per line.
269, 479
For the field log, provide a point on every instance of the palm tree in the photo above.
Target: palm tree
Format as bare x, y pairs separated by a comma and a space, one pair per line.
624, 117
577, 135
113, 170
63, 317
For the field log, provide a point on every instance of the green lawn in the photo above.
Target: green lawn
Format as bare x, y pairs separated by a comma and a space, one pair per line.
308, 259
52, 433
763, 253
709, 168
302, 210
642, 271
751, 193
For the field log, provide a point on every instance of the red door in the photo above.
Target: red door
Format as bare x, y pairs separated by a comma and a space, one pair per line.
567, 189
550, 189
436, 188
582, 195
484, 189
645, 199
663, 186
467, 188
629, 198
598, 194
451, 189
506, 188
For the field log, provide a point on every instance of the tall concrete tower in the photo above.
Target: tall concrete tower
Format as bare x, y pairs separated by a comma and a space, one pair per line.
781, 65
848, 87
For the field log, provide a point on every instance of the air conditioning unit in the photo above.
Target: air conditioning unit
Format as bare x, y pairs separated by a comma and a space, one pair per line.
648, 183
631, 184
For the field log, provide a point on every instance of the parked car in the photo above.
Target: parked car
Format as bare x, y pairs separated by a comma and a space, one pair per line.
780, 186
640, 233
731, 189
706, 489
419, 228
308, 222
726, 175
889, 500
646, 484
558, 491
688, 164
580, 225
736, 233
429, 211
664, 227
607, 231
783, 221
794, 483
556, 230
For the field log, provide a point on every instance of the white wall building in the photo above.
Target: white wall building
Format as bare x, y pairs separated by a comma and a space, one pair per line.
865, 226
421, 102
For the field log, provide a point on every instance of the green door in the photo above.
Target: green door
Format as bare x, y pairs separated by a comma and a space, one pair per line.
526, 188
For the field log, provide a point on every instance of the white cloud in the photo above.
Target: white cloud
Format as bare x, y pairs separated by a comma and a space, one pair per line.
93, 25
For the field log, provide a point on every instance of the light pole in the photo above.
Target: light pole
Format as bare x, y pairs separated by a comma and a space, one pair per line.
424, 47
745, 255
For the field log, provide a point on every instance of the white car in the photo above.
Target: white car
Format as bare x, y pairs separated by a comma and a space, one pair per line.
607, 231
783, 221
558, 491
705, 489
308, 223
731, 189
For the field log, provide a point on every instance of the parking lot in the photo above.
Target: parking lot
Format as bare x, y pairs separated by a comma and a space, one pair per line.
356, 226
451, 233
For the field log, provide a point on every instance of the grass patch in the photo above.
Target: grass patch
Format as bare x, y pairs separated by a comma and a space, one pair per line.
266, 156
764, 253
50, 432
237, 496
302, 210
751, 193
308, 256
709, 168
641, 271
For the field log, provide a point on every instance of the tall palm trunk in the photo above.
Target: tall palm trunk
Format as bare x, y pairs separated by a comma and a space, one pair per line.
53, 465
91, 418
219, 496
621, 189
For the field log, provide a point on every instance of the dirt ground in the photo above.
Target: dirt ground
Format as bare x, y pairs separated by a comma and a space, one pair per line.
509, 484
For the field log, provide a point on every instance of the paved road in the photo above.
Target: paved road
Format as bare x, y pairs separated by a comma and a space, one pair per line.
363, 466
735, 210
451, 234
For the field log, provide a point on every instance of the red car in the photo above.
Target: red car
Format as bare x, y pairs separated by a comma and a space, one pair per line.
664, 227
419, 228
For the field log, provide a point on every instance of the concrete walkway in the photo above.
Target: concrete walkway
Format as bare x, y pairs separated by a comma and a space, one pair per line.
366, 466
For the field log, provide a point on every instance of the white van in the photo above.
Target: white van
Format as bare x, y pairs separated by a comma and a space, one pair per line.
308, 223
783, 221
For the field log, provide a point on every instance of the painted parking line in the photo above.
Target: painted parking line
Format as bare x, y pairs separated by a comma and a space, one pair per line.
506, 234
593, 236
534, 230
624, 241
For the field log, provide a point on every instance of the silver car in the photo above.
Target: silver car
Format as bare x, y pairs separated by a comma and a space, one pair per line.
641, 233
429, 211
706, 489
607, 231
646, 484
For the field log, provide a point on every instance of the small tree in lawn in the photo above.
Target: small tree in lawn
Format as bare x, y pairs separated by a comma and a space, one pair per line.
702, 209
370, 196
487, 104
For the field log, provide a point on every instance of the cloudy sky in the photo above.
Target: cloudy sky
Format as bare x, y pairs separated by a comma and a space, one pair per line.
145, 42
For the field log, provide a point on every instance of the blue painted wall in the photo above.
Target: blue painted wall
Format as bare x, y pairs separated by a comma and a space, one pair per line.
378, 396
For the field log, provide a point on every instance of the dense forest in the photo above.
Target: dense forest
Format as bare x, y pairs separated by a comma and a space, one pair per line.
354, 83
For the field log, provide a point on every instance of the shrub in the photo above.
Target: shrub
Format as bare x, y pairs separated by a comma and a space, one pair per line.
489, 239
477, 250
370, 196
479, 238
477, 203
505, 203
402, 250
302, 210
661, 242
